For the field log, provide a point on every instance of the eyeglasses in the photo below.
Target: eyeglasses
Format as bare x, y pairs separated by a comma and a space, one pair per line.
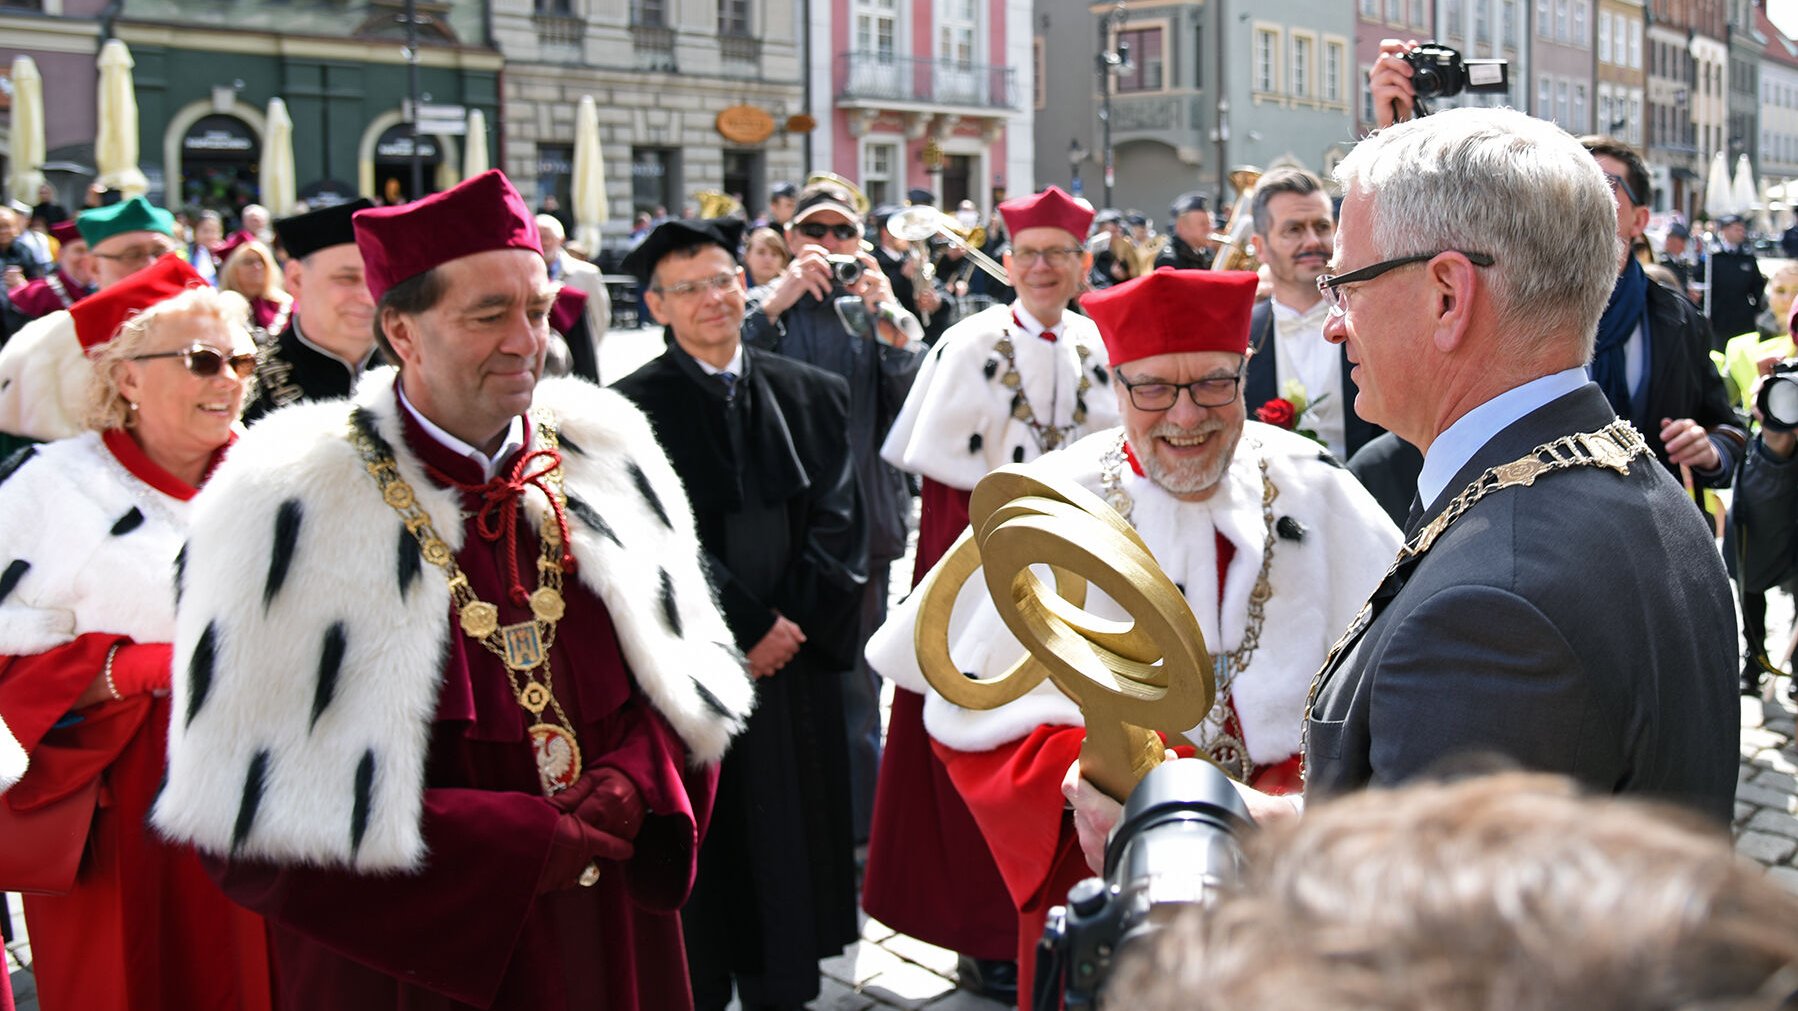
1057, 256
1330, 285
1621, 185
207, 362
139, 254
703, 286
814, 230
1155, 395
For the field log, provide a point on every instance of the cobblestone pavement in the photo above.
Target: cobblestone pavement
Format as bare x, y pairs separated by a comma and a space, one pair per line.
890, 970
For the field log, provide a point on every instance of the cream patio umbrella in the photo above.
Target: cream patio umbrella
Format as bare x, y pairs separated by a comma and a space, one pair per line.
589, 176
27, 154
474, 147
115, 147
278, 179
1741, 190
1718, 191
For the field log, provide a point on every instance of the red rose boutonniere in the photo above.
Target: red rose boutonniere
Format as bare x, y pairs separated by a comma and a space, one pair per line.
1277, 412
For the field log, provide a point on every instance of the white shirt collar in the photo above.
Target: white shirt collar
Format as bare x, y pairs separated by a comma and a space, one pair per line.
735, 367
1282, 311
1455, 446
1035, 326
489, 464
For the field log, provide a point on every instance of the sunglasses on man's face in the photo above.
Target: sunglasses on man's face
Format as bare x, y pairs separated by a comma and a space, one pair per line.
206, 362
814, 230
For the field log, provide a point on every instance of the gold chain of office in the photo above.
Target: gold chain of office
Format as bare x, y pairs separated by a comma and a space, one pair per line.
522, 648
1611, 447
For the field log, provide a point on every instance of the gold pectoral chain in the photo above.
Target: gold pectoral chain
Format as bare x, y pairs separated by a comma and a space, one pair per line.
1048, 435
1611, 447
1226, 749
523, 648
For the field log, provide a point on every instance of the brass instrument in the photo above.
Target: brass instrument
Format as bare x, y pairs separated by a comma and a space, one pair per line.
1233, 252
918, 224
715, 204
1138, 258
1130, 679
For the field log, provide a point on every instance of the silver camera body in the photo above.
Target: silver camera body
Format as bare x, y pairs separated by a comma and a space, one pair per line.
845, 268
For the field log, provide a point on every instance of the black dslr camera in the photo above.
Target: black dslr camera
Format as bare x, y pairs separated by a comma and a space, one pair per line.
1439, 72
1778, 400
1176, 843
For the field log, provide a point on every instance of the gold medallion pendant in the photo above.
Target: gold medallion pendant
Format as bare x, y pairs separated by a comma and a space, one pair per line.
558, 757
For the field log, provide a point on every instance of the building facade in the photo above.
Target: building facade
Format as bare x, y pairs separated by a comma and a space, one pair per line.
934, 96
691, 98
1562, 69
1622, 70
1488, 29
1746, 45
1375, 21
1777, 129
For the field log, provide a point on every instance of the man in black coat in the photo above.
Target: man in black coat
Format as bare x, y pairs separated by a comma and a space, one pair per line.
1738, 289
326, 341
1189, 247
758, 441
1560, 604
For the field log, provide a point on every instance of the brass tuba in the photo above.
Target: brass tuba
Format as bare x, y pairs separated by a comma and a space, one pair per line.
1233, 252
858, 201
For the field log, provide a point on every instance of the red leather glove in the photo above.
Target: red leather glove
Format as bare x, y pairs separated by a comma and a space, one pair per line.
605, 799
573, 848
142, 668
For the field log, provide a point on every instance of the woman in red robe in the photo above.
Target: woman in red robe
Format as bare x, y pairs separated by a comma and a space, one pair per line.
250, 271
90, 530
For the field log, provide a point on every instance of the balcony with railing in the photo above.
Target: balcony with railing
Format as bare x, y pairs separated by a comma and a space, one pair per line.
884, 79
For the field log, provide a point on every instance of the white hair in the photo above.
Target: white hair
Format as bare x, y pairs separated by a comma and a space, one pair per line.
1514, 187
548, 225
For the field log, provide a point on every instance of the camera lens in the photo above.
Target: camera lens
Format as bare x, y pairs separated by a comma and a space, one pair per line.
1779, 402
847, 271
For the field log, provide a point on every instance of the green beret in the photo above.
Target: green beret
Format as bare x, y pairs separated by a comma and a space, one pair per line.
135, 215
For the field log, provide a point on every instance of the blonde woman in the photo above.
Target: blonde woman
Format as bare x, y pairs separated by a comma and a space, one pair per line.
765, 256
91, 530
250, 270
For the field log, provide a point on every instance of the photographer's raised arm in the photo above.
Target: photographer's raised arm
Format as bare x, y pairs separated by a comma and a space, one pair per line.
1390, 83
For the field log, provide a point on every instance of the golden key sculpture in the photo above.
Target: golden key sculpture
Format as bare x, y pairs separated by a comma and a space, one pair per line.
1130, 678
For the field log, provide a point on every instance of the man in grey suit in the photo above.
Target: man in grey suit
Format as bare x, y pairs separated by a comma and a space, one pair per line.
1559, 603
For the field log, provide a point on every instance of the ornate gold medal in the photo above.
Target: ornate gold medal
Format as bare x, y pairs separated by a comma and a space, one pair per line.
534, 697
558, 757
523, 645
547, 604
479, 619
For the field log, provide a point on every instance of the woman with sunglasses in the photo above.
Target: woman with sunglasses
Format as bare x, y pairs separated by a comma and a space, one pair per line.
91, 530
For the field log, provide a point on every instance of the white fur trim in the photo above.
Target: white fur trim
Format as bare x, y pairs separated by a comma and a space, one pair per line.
952, 399
1319, 583
342, 572
57, 512
43, 379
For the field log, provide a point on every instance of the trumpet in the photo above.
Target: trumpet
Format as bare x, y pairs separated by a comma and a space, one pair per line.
919, 224
1233, 252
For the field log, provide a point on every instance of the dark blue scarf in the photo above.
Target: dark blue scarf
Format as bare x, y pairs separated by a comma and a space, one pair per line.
1629, 300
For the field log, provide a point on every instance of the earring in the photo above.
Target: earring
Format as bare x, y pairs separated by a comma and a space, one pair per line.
131, 405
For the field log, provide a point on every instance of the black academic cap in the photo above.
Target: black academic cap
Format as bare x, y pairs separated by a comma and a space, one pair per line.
678, 234
305, 234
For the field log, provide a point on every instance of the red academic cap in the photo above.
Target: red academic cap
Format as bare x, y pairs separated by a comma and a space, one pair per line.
65, 232
99, 316
222, 249
1052, 208
1171, 311
477, 215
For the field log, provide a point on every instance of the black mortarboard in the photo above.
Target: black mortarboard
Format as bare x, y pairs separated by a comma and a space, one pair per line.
678, 234
305, 234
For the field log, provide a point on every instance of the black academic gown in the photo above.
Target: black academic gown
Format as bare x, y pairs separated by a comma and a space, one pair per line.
290, 369
773, 493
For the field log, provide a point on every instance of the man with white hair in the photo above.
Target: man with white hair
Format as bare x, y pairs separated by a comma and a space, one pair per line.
573, 272
1559, 603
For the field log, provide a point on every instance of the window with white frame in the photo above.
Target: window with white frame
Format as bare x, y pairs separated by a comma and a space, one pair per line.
1563, 112
1580, 125
1635, 45
1545, 22
1267, 50
1482, 21
1370, 8
1394, 9
1334, 54
1545, 97
877, 28
1560, 20
1302, 47
1604, 36
1507, 24
1145, 70
733, 17
1577, 35
1418, 17
957, 24
1604, 108
879, 159
1366, 87
1455, 16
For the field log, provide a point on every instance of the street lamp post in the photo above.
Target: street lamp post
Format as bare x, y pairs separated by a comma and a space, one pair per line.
1107, 61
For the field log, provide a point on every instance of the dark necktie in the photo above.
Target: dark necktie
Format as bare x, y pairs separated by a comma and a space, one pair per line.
1415, 519
729, 379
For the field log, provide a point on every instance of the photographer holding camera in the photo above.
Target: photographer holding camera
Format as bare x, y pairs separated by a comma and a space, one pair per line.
833, 308
1765, 514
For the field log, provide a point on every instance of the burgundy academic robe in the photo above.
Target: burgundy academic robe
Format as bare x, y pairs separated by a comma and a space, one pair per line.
469, 930
144, 928
36, 299
930, 873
